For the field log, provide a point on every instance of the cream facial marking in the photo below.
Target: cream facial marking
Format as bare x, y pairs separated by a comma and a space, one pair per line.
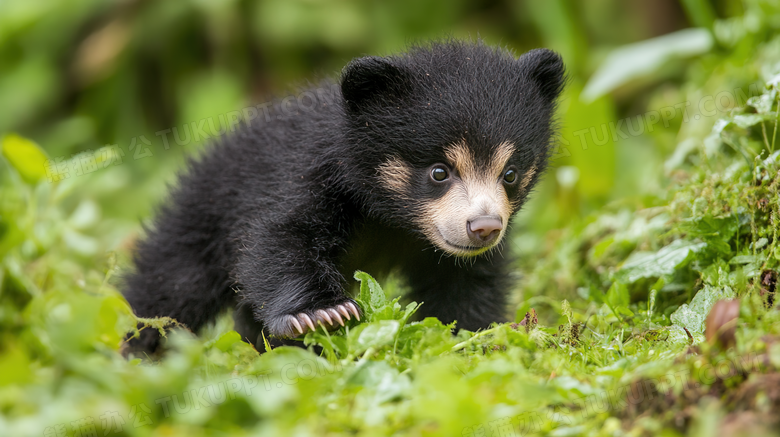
500, 157
396, 175
523, 185
471, 218
527, 178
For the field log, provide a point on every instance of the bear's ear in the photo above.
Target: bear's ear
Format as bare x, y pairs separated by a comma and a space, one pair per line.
545, 68
370, 78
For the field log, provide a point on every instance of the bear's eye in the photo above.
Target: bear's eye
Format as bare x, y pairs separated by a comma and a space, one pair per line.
439, 173
510, 176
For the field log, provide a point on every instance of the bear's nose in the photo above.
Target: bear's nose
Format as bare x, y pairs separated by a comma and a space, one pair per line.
484, 229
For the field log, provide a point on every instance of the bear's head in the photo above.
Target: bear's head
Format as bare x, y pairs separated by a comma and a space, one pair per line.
451, 137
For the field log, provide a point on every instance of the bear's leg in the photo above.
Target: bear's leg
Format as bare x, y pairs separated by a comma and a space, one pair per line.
177, 279
250, 330
288, 275
473, 292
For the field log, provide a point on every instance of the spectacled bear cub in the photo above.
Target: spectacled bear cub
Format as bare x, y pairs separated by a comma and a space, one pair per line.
417, 167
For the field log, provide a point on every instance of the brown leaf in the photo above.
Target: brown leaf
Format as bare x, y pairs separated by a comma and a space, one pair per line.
529, 321
722, 323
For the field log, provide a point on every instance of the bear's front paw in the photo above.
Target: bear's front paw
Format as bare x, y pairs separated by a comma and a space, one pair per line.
301, 323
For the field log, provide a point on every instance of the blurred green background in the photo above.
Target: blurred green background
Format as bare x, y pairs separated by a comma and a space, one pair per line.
98, 85
116, 93
79, 75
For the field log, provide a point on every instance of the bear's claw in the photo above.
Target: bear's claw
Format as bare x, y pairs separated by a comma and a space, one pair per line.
327, 317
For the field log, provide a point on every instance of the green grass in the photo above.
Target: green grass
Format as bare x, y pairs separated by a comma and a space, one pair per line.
610, 336
624, 350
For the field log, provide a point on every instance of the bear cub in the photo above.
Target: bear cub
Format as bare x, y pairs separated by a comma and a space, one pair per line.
416, 167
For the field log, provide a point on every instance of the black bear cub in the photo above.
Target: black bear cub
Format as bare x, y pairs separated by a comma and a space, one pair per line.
417, 166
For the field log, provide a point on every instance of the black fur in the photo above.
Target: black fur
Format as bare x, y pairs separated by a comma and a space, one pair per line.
275, 218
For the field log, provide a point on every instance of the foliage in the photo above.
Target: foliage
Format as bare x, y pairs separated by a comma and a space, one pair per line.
624, 251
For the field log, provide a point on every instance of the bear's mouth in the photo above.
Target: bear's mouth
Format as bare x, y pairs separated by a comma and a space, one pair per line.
466, 248
462, 250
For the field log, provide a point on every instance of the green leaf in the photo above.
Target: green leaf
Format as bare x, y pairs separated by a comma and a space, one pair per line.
716, 232
707, 226
227, 340
746, 259
747, 120
645, 57
381, 380
624, 311
764, 102
378, 334
371, 297
678, 335
617, 295
694, 315
26, 157
618, 299
654, 264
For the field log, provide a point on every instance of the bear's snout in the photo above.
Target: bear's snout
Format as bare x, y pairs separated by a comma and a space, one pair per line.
483, 230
